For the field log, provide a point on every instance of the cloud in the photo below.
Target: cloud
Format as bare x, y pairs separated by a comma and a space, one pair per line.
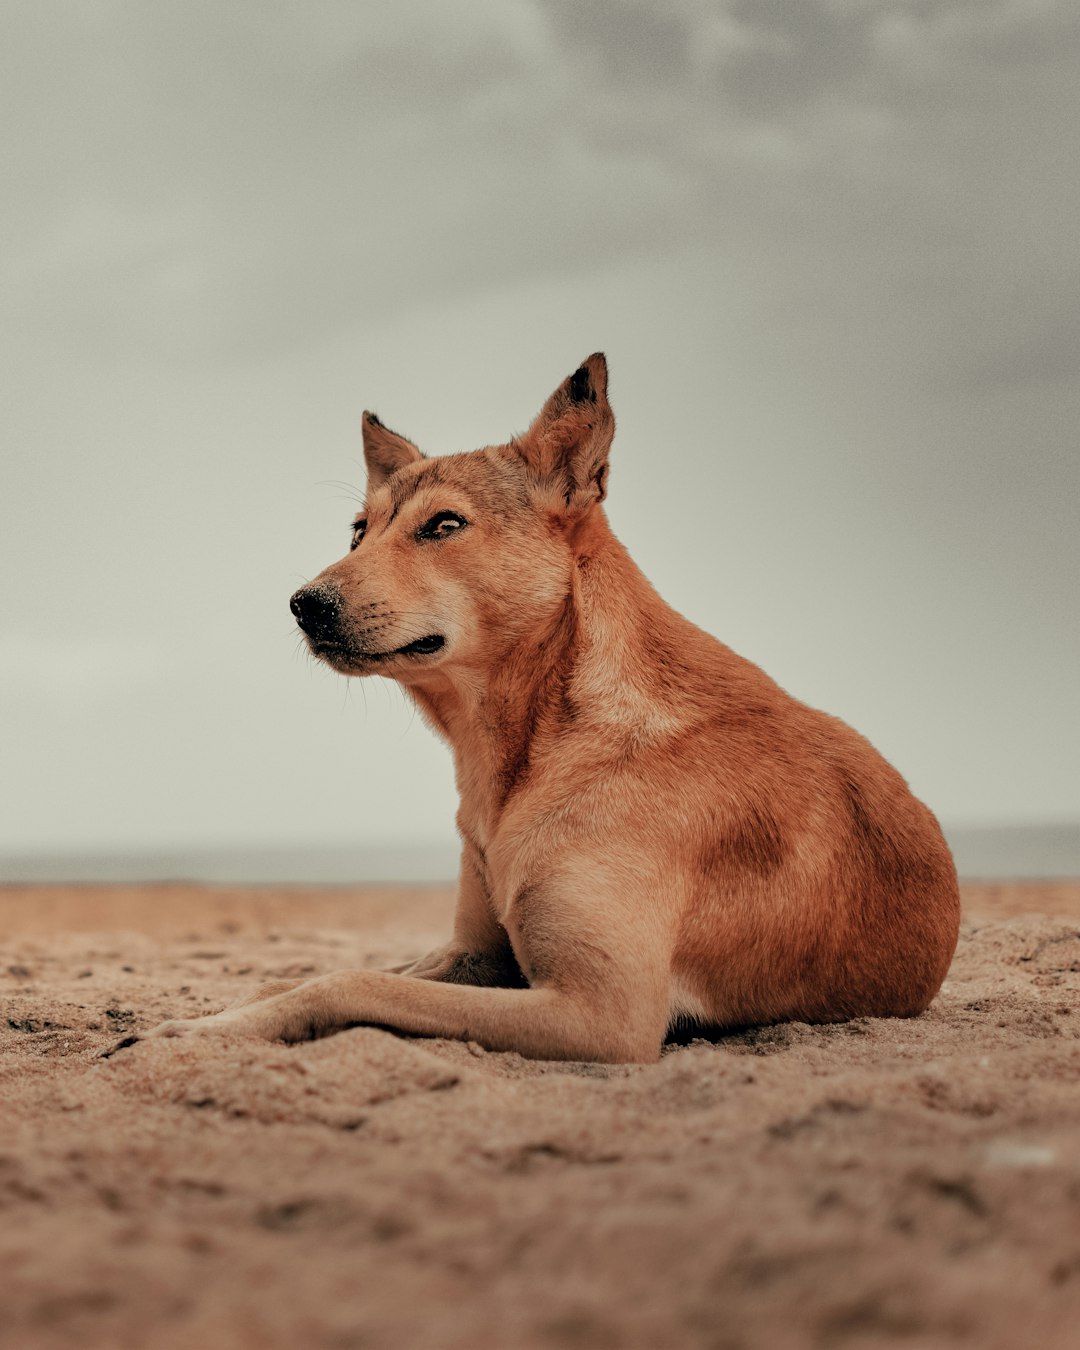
209, 181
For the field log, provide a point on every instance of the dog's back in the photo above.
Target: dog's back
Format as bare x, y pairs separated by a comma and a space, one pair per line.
829, 876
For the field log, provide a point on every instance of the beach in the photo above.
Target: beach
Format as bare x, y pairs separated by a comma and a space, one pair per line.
874, 1183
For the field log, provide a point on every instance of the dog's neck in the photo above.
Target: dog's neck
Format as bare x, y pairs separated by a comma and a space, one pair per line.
593, 664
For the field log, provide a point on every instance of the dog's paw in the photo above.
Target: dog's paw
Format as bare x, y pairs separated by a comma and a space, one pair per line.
176, 1027
227, 1023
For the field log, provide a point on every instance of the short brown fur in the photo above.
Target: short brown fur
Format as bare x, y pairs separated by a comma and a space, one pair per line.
653, 831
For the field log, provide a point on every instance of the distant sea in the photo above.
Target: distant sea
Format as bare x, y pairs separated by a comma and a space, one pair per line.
1011, 852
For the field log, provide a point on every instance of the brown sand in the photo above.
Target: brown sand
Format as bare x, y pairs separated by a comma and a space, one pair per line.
878, 1183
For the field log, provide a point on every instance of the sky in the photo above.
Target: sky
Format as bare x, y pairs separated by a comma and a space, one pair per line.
829, 248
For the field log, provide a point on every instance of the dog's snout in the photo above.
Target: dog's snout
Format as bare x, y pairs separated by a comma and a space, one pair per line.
317, 610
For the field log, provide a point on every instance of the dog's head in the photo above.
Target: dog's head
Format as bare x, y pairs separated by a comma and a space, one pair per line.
455, 560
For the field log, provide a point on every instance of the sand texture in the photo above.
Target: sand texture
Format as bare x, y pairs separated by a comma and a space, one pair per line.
879, 1183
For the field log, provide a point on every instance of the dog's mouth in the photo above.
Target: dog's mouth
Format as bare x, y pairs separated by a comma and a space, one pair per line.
338, 654
424, 646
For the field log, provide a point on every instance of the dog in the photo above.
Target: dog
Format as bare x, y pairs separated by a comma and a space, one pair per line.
654, 834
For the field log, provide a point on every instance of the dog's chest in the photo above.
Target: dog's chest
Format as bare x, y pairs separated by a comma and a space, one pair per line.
518, 842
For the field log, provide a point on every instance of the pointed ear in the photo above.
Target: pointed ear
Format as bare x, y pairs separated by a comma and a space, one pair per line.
566, 448
385, 451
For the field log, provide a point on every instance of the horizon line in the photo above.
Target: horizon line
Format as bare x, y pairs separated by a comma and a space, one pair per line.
1010, 852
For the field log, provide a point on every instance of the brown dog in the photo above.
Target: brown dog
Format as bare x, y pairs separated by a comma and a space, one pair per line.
653, 830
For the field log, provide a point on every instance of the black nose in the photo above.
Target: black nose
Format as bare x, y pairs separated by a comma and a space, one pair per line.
318, 611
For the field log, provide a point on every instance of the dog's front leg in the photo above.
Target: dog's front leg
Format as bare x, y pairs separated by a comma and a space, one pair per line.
480, 950
542, 1023
433, 960
600, 986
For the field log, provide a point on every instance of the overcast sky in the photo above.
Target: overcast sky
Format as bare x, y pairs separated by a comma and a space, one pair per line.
830, 248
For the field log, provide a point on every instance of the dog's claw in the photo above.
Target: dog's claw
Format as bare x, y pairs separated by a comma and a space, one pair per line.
120, 1045
170, 1029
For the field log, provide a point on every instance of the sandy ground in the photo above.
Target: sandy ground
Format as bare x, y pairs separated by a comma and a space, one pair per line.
878, 1183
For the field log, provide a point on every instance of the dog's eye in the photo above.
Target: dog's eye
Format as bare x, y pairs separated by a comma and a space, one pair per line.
359, 529
441, 525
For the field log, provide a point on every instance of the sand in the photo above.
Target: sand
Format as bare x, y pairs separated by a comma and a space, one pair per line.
879, 1183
